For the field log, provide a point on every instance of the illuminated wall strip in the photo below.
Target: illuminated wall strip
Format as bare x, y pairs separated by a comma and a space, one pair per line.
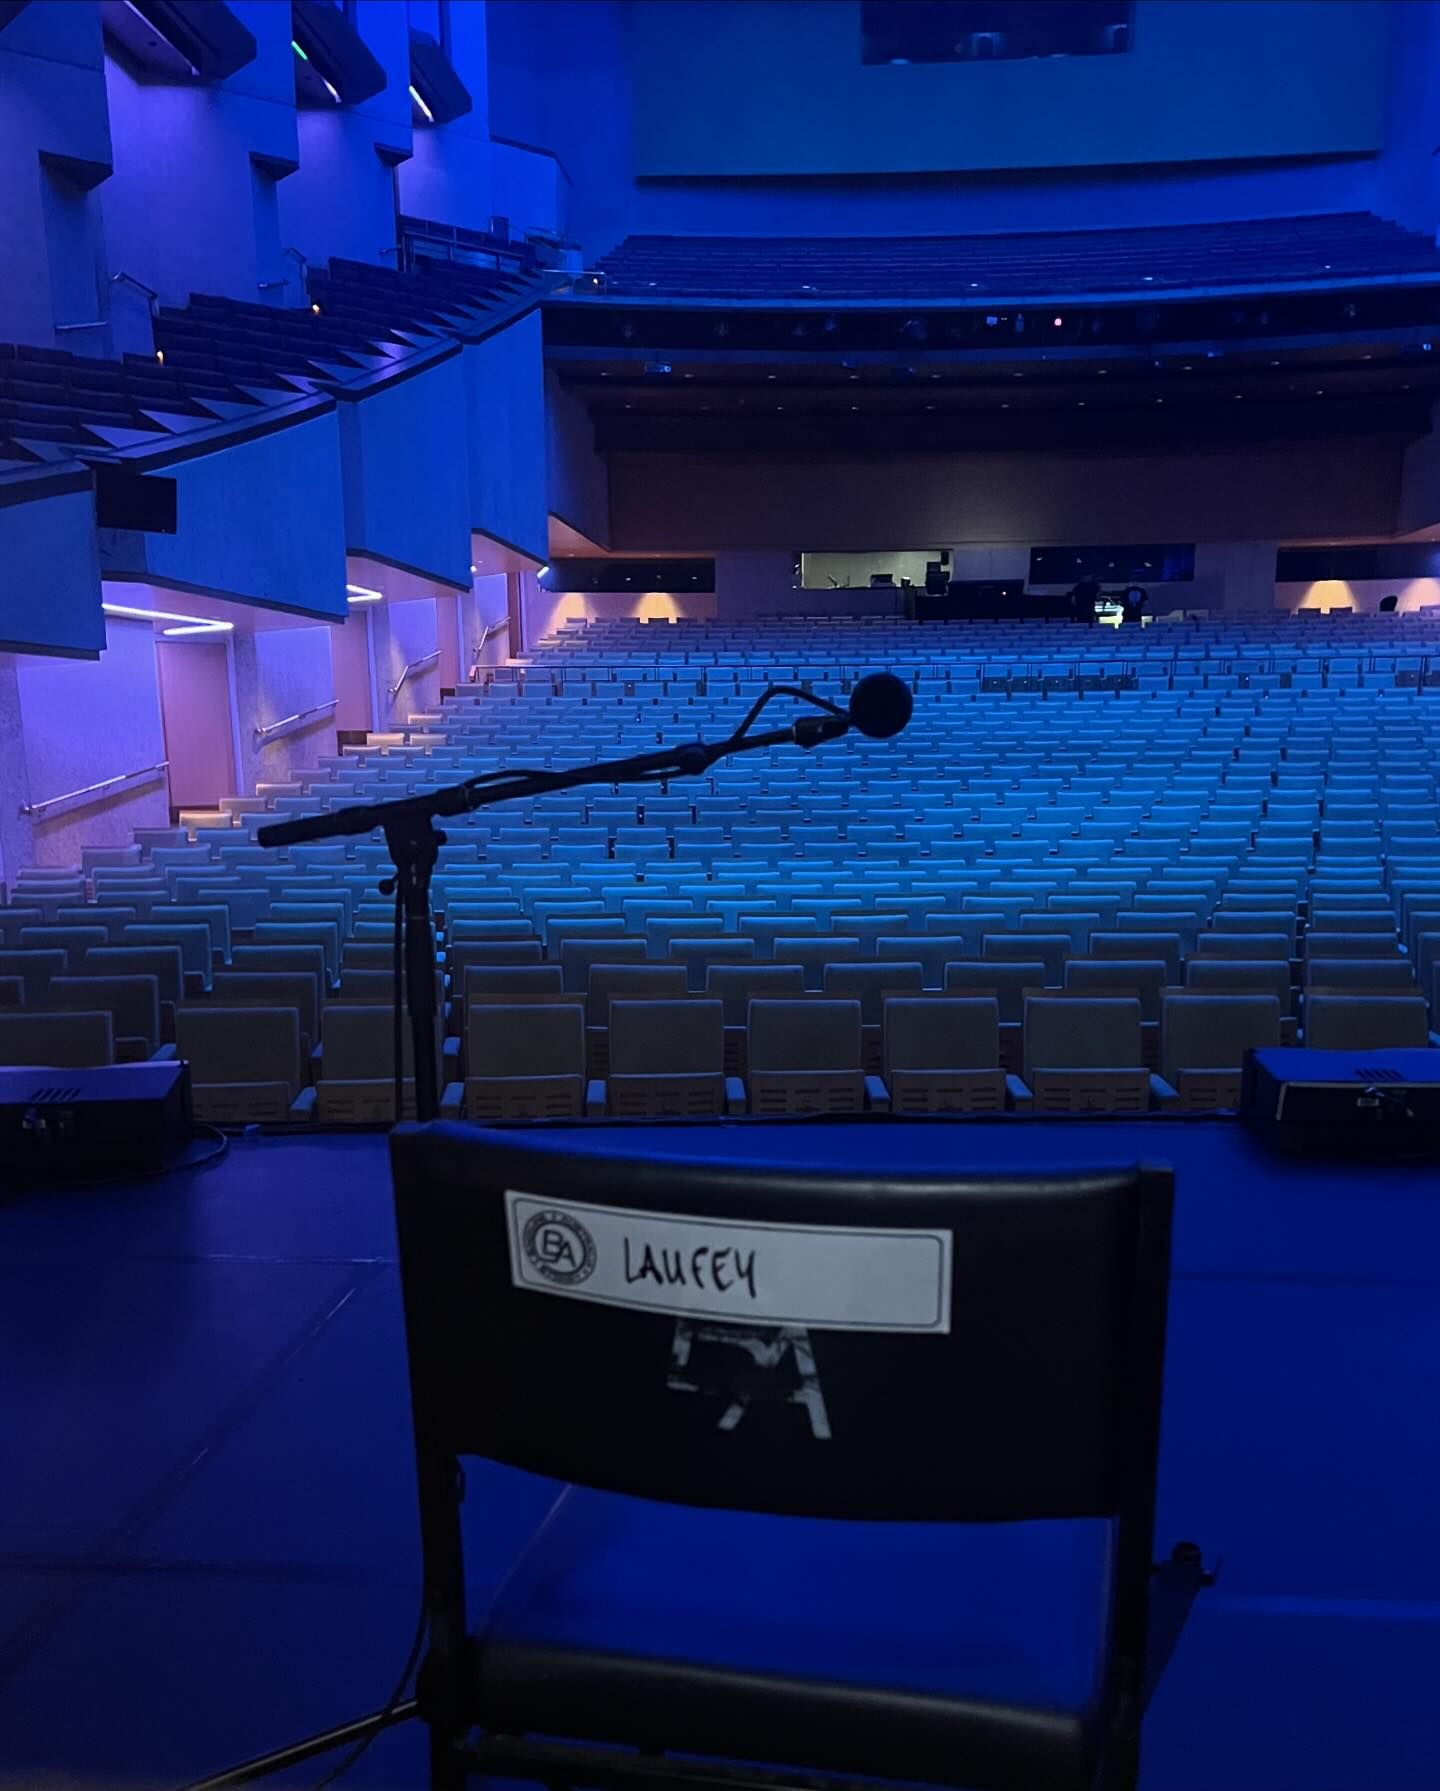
429, 115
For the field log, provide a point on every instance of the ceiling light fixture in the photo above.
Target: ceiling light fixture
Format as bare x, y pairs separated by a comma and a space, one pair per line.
362, 594
193, 624
429, 115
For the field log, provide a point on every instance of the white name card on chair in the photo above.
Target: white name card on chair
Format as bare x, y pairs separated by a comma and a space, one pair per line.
822, 1276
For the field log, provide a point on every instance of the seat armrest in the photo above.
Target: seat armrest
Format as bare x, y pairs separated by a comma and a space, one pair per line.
1435, 1039
877, 1096
316, 1061
195, 984
595, 1099
734, 1097
1162, 1092
165, 1054
1017, 1094
303, 1106
452, 1101
450, 1051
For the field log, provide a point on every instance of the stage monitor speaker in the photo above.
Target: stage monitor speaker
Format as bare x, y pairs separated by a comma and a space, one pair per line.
1366, 1104
60, 1125
130, 500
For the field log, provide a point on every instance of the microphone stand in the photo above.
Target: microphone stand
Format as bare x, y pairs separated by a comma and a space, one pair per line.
408, 825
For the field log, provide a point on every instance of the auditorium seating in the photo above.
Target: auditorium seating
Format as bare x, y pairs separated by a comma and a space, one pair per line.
1242, 815
1039, 264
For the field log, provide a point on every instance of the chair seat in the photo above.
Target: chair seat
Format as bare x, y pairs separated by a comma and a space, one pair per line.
958, 1654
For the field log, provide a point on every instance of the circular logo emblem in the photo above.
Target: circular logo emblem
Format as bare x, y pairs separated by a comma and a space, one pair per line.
560, 1248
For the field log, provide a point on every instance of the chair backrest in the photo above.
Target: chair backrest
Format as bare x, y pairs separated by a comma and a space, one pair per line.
1366, 1022
941, 1033
737, 985
1386, 975
12, 991
678, 1037
283, 960
578, 955
1213, 1032
238, 1045
1127, 944
1009, 982
133, 1003
869, 984
1239, 976
1033, 1310
358, 1044
510, 981
805, 1035
163, 962
297, 989
526, 1040
74, 1041
639, 982
1325, 944
35, 969
1142, 977
1245, 945
1082, 1034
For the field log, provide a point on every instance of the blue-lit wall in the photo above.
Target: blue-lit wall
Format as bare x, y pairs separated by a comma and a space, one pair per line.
721, 117
771, 88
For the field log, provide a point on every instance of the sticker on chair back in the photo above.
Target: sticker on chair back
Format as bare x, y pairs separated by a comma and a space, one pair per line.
830, 1277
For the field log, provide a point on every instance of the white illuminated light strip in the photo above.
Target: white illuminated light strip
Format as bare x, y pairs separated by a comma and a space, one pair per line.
429, 115
192, 624
362, 594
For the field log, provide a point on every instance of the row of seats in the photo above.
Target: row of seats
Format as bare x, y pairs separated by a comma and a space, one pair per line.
1011, 845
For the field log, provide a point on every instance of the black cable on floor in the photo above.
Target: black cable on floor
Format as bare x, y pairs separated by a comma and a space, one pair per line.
217, 1150
412, 1661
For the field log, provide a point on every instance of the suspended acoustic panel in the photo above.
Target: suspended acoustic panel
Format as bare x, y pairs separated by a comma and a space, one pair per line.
333, 67
178, 40
11, 9
438, 92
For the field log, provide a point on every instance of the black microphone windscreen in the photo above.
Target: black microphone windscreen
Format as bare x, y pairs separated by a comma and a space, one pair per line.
880, 705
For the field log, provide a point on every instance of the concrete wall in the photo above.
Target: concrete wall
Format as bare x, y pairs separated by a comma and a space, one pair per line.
86, 720
263, 521
578, 479
505, 412
407, 494
565, 76
403, 633
1199, 83
54, 144
50, 575
280, 672
1320, 490
193, 203
341, 200
448, 176
1362, 594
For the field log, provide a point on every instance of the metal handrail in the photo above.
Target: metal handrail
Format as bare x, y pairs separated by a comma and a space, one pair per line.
105, 783
415, 665
148, 292
303, 263
289, 722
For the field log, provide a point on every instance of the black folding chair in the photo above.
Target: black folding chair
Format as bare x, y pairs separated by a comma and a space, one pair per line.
961, 1377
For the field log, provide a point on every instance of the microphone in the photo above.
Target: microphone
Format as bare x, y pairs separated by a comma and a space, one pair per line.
880, 705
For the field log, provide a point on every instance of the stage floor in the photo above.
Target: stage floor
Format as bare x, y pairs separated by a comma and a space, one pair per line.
206, 1507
